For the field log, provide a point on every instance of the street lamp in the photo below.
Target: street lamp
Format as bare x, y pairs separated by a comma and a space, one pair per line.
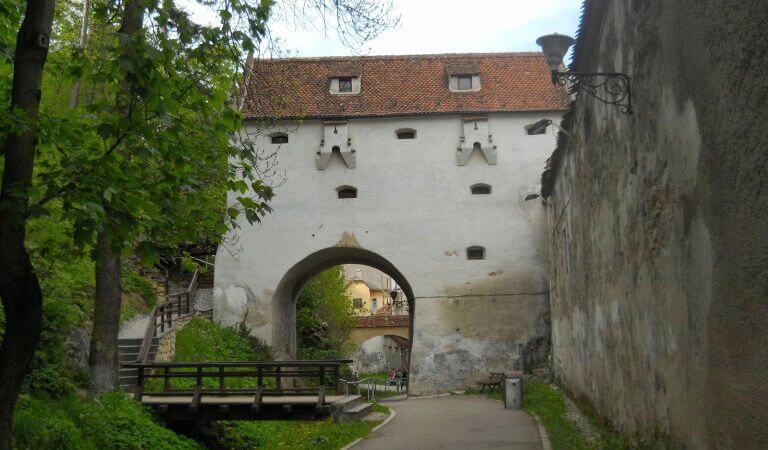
611, 88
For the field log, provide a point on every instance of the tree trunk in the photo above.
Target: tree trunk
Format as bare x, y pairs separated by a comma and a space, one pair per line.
104, 361
19, 288
81, 44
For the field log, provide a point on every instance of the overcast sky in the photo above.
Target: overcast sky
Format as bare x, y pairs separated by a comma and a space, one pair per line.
436, 26
448, 26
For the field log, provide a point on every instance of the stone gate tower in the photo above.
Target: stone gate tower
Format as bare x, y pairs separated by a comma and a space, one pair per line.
425, 167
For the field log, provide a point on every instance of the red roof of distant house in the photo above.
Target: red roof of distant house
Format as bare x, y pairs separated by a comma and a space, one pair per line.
381, 321
400, 86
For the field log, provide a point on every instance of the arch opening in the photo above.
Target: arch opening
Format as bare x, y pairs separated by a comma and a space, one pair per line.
284, 336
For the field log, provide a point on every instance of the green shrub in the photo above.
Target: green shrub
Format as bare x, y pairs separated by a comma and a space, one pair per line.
111, 421
45, 424
115, 421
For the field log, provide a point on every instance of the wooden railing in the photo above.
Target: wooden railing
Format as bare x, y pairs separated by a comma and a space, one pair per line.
254, 378
164, 315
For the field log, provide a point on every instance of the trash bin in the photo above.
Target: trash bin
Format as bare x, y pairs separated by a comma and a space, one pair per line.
513, 393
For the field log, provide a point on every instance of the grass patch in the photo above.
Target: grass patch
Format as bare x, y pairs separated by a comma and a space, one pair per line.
202, 340
111, 421
548, 404
294, 435
139, 297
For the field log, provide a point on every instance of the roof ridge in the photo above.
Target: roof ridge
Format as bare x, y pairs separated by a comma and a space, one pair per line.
410, 56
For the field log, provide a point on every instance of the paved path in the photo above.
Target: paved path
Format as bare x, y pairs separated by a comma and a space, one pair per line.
454, 422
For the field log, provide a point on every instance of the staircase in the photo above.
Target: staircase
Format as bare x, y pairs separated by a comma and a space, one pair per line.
128, 352
350, 408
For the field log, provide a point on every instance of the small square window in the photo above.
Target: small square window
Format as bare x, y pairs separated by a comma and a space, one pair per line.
475, 253
345, 84
280, 138
357, 303
464, 82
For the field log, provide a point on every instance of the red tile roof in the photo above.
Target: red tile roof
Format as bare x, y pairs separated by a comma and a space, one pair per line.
381, 321
400, 86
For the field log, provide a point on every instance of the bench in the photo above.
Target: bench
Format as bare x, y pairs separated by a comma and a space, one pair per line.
496, 379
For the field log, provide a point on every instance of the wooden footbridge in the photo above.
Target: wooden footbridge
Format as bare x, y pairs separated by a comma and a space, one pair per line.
284, 390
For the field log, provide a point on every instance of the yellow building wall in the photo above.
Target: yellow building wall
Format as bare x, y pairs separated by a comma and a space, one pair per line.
357, 289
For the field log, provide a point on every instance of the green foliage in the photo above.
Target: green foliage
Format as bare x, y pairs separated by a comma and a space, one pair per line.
139, 297
324, 317
294, 435
111, 421
202, 340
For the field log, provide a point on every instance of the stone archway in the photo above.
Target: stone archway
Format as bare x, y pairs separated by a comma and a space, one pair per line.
283, 336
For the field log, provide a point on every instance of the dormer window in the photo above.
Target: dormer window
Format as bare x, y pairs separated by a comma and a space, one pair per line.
345, 84
279, 138
464, 82
406, 133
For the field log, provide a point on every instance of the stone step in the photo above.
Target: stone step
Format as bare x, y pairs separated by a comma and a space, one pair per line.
357, 412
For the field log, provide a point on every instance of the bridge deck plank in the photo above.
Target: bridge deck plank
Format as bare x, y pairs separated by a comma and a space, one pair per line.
205, 399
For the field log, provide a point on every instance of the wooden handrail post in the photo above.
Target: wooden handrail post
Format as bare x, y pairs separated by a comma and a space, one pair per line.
322, 376
166, 379
199, 376
260, 376
139, 383
278, 384
221, 379
336, 378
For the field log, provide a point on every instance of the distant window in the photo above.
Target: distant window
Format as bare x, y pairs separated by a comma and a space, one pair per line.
539, 127
279, 138
345, 84
373, 306
480, 189
464, 82
357, 303
406, 133
475, 252
347, 192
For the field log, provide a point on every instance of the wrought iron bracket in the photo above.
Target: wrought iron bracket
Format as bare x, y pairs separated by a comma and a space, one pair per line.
609, 88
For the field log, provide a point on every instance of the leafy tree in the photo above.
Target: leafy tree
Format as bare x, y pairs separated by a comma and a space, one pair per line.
324, 317
19, 287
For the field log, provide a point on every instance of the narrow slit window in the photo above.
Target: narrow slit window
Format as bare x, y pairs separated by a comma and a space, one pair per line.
279, 138
347, 192
476, 252
480, 189
406, 133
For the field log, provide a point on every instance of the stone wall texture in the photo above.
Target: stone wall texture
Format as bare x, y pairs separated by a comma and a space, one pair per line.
659, 224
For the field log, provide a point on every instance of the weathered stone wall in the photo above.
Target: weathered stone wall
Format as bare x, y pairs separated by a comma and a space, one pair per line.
659, 224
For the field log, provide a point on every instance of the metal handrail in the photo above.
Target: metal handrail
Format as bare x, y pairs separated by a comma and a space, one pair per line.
164, 311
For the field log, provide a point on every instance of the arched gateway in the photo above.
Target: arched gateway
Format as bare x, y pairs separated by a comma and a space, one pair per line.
414, 213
